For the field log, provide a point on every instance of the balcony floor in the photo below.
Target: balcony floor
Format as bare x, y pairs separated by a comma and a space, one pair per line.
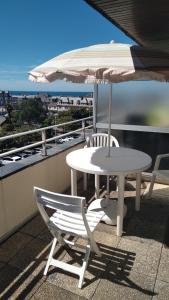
135, 266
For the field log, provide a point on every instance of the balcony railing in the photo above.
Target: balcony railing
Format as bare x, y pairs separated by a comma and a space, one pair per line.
45, 140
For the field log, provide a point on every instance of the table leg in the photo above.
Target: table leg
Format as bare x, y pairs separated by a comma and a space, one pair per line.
120, 205
73, 182
85, 181
108, 185
97, 186
138, 191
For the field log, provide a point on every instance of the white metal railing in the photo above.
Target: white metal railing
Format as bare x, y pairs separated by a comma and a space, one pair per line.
44, 140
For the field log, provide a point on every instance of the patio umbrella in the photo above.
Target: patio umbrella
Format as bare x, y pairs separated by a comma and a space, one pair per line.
105, 63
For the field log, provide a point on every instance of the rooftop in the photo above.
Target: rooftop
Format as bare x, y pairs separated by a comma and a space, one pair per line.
135, 266
145, 23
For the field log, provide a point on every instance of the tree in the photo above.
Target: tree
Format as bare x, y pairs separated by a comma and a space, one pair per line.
70, 115
32, 112
9, 109
79, 113
49, 120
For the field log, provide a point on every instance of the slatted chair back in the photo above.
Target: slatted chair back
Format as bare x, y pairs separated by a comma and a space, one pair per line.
69, 212
101, 140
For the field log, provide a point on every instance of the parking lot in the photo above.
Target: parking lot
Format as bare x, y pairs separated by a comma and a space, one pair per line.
38, 150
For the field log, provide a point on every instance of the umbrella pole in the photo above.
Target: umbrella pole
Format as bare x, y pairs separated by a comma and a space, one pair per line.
95, 101
109, 118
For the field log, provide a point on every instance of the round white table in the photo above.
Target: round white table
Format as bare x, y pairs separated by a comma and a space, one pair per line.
122, 161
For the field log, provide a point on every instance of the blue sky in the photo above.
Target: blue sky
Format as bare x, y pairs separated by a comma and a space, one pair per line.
34, 31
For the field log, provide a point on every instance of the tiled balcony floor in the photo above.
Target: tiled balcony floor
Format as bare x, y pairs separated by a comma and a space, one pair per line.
135, 266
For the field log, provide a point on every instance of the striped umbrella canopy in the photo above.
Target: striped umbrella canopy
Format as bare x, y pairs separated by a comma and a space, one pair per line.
105, 63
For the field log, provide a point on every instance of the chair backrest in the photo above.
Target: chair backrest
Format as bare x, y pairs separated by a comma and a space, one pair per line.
65, 205
101, 140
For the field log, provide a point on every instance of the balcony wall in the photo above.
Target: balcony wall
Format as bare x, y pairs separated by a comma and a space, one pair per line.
16, 190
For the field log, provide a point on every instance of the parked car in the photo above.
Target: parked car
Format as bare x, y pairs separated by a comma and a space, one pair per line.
22, 154
59, 141
38, 150
29, 152
10, 159
66, 139
75, 135
49, 146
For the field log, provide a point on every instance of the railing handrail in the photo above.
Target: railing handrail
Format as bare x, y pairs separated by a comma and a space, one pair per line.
44, 140
3, 138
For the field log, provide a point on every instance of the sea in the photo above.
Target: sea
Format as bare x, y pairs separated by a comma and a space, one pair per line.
49, 93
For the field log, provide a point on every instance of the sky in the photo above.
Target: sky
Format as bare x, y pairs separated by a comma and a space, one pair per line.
34, 31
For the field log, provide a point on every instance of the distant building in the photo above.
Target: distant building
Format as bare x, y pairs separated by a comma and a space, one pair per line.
64, 103
44, 98
2, 110
4, 96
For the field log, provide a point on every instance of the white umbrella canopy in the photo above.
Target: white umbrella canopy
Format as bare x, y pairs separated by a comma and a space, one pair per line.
105, 63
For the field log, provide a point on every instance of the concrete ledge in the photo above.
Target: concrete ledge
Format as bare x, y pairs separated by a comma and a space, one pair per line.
16, 184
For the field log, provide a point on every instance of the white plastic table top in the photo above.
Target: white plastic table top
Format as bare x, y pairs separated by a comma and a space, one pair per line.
95, 160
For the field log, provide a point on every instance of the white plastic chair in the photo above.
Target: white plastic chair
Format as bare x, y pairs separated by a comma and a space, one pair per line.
99, 140
158, 172
69, 218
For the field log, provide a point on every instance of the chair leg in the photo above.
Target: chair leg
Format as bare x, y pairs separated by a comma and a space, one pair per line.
84, 266
138, 191
65, 266
50, 256
151, 186
94, 247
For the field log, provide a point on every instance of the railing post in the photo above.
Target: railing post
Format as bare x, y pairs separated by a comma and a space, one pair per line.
44, 150
83, 128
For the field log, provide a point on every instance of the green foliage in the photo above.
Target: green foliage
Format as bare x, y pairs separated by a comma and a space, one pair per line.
29, 115
70, 115
19, 141
32, 112
7, 128
9, 109
49, 120
79, 113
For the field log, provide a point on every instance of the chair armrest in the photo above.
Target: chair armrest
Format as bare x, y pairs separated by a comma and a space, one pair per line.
158, 159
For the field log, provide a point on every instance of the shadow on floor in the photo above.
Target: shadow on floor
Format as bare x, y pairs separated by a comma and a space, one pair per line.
114, 265
22, 274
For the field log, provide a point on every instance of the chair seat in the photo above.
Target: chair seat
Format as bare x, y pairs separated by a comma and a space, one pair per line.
162, 173
73, 223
